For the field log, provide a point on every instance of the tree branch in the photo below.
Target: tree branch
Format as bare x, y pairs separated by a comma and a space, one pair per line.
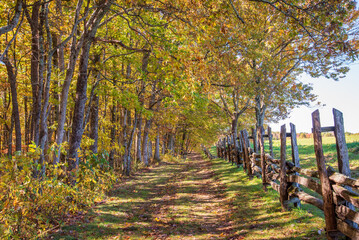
14, 20
120, 43
236, 12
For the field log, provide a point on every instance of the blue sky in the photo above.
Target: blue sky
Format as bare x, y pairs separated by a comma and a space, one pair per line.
342, 95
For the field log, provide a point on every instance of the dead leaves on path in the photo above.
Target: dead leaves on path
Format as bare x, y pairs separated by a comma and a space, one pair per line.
181, 200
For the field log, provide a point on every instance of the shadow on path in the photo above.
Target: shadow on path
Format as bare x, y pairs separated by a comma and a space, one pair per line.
177, 200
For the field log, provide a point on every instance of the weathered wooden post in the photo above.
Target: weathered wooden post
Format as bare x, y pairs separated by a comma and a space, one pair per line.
236, 149
327, 193
342, 149
295, 154
263, 158
246, 153
243, 152
232, 148
283, 188
218, 150
240, 149
270, 137
255, 142
229, 148
342, 152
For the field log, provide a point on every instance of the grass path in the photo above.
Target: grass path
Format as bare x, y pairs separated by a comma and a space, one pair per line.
193, 199
177, 200
257, 214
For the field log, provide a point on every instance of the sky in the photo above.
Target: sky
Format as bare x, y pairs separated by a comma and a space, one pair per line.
342, 95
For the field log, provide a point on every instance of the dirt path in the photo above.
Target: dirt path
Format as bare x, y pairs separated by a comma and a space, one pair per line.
180, 200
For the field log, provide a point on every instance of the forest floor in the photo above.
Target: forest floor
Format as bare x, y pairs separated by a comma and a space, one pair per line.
194, 198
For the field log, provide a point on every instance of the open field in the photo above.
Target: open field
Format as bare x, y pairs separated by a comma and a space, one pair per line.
307, 155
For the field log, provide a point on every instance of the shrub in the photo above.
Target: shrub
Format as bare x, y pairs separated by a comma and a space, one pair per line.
29, 205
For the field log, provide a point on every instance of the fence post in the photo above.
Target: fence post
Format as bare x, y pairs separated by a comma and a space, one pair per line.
295, 154
255, 142
225, 148
243, 151
240, 144
270, 137
327, 193
236, 149
342, 152
221, 148
283, 169
228, 148
263, 160
233, 147
246, 153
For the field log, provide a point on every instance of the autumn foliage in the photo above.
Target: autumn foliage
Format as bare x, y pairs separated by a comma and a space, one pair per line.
90, 90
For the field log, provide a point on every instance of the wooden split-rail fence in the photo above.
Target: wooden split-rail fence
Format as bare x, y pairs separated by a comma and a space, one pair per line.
339, 192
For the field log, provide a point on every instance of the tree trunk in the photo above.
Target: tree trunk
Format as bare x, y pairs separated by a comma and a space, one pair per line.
124, 135
10, 130
127, 157
79, 110
139, 152
188, 143
34, 75
171, 144
259, 111
145, 141
113, 134
183, 142
157, 147
74, 52
150, 154
60, 50
15, 105
26, 122
94, 123
43, 141
81, 87
164, 144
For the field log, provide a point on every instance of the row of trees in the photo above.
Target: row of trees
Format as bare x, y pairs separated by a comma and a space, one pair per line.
126, 80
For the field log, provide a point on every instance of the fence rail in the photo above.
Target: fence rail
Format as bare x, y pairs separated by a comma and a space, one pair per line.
339, 195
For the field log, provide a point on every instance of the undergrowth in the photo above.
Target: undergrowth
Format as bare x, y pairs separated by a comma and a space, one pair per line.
30, 206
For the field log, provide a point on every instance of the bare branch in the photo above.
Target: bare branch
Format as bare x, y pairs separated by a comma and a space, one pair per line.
14, 20
236, 12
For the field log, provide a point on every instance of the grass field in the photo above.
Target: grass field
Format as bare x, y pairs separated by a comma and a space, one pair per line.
307, 155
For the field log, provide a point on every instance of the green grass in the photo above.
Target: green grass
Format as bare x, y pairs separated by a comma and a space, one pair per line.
257, 214
128, 210
305, 221
307, 155
184, 199
174, 200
